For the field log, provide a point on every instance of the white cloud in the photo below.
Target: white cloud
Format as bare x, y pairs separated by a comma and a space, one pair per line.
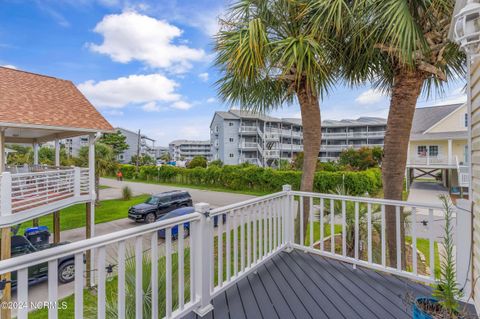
9, 66
371, 96
152, 107
113, 112
181, 105
203, 76
132, 36
211, 100
134, 89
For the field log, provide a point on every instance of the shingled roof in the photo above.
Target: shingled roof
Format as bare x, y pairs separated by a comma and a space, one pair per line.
37, 101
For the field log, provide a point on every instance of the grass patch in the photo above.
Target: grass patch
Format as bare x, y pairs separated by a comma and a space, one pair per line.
74, 216
103, 187
423, 245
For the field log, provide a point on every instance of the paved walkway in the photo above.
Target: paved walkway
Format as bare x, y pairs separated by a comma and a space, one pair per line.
426, 192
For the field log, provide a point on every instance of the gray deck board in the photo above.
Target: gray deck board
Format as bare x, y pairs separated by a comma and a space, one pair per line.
301, 285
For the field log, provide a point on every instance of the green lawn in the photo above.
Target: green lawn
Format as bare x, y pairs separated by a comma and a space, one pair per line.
316, 232
423, 245
74, 216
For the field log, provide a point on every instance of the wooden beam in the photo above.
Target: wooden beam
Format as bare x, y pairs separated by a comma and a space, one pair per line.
56, 227
6, 312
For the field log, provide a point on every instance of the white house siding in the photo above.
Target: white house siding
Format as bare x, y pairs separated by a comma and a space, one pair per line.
475, 118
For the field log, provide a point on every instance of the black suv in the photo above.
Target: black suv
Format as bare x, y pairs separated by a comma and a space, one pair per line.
158, 205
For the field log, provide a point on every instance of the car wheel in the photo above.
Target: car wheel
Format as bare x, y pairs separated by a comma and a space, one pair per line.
150, 218
66, 272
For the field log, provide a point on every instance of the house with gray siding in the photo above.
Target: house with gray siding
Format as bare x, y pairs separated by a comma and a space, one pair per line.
240, 136
146, 146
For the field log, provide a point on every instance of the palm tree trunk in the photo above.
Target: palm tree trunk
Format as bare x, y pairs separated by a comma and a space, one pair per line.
312, 136
407, 87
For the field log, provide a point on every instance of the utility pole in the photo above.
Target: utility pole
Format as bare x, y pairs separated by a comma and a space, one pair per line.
137, 162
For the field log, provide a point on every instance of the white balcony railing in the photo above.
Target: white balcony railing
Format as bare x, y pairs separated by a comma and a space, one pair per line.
227, 244
37, 192
430, 160
378, 134
248, 145
247, 129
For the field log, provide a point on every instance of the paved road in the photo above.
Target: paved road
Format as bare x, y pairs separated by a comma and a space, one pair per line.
215, 199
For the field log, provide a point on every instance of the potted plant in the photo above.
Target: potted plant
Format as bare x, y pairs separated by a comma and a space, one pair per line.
444, 301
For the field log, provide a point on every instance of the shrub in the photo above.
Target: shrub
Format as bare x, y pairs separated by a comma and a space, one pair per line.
197, 161
218, 163
251, 177
361, 159
126, 193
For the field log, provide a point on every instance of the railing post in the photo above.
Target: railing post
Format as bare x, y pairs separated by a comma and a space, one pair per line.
6, 194
463, 246
76, 181
289, 218
202, 250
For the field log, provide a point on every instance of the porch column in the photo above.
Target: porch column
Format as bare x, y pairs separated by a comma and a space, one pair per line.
56, 215
450, 152
35, 163
5, 252
90, 209
35, 153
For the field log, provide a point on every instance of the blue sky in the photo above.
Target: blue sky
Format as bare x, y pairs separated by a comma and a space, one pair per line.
146, 64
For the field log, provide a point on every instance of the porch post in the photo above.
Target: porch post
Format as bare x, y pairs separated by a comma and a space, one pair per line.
90, 209
56, 214
289, 218
5, 252
202, 250
450, 152
35, 153
463, 243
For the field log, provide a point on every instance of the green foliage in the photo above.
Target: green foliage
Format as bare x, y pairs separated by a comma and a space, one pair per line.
117, 141
197, 161
446, 289
217, 163
126, 193
143, 160
46, 155
166, 157
251, 177
362, 158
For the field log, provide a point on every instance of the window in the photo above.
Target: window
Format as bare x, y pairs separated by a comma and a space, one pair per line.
433, 150
422, 150
465, 121
230, 123
231, 155
231, 139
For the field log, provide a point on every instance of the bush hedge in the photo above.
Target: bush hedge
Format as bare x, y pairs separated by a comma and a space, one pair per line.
257, 178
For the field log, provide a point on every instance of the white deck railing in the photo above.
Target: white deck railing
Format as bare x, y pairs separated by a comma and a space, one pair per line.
228, 243
38, 192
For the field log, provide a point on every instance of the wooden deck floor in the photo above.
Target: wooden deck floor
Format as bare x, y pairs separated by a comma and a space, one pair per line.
300, 285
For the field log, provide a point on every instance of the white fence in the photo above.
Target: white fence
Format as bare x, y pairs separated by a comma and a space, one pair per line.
42, 191
178, 274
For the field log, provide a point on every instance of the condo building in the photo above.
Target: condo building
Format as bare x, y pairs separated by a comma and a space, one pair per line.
245, 137
185, 150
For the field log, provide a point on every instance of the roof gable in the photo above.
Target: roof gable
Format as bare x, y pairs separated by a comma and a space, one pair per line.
34, 100
427, 117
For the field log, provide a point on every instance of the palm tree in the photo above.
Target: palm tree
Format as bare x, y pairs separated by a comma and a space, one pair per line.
268, 59
402, 47
104, 163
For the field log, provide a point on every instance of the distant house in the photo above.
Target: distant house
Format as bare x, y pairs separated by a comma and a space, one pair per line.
146, 146
439, 143
185, 150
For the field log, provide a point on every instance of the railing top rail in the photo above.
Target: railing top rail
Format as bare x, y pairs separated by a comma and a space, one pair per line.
388, 202
249, 202
43, 172
46, 255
